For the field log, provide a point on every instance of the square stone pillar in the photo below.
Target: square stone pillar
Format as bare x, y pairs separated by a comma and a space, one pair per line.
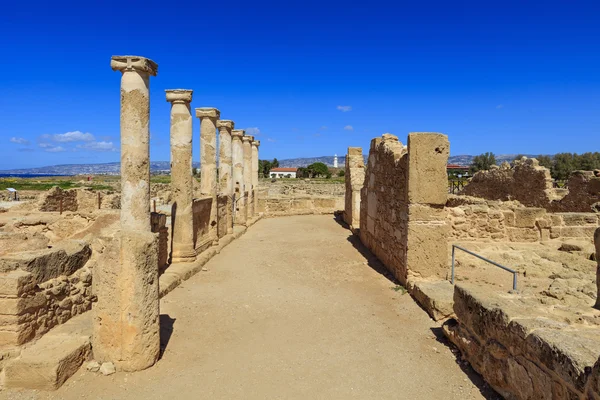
355, 178
247, 149
255, 146
208, 163
226, 167
126, 316
237, 157
182, 217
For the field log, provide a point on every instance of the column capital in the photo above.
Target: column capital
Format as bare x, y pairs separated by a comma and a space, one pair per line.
238, 133
226, 124
208, 112
179, 95
256, 143
247, 138
131, 63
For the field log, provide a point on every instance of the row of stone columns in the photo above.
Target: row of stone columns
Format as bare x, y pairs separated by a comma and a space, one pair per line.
126, 319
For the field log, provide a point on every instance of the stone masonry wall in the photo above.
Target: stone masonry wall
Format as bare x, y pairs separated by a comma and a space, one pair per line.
402, 217
521, 354
531, 184
299, 205
355, 177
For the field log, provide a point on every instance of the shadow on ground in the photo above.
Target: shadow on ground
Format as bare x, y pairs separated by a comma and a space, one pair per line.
166, 330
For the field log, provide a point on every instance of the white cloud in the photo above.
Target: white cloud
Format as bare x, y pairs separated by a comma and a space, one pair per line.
75, 136
344, 108
499, 106
252, 131
98, 146
45, 145
55, 149
271, 140
348, 128
19, 140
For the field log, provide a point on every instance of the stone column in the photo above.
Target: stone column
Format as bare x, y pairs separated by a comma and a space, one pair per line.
225, 167
255, 145
597, 245
354, 177
126, 316
238, 176
182, 218
208, 163
247, 148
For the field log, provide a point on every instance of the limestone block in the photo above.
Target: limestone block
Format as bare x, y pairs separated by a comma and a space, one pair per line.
427, 252
435, 296
16, 283
526, 217
523, 234
427, 161
420, 212
577, 219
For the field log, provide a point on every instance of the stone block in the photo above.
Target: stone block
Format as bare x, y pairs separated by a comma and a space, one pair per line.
526, 217
427, 249
16, 283
427, 161
523, 234
578, 219
19, 305
421, 212
436, 297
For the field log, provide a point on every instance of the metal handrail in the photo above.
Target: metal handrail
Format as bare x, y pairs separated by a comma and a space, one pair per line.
515, 273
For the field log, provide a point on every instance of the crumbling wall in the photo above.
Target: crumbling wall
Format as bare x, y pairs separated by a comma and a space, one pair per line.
520, 354
472, 219
402, 214
531, 184
201, 210
80, 199
222, 210
308, 187
51, 200
299, 205
355, 177
43, 288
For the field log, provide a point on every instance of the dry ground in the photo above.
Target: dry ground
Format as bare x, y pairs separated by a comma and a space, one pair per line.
291, 310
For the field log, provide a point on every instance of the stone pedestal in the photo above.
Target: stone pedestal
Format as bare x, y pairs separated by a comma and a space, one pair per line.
126, 316
238, 176
208, 163
182, 248
226, 168
248, 189
255, 145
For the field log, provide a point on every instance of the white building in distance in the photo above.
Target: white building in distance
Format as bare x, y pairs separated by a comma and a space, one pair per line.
335, 162
283, 172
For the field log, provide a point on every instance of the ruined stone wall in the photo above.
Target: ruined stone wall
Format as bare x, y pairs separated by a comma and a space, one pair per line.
201, 210
41, 289
284, 187
402, 214
51, 200
299, 205
355, 177
520, 354
80, 199
480, 220
222, 210
531, 184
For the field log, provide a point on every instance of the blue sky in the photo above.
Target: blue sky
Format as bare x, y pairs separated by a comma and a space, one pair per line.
311, 78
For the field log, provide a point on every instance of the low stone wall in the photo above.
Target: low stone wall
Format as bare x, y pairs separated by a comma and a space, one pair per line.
284, 187
201, 210
523, 355
81, 200
480, 220
41, 289
531, 184
402, 216
285, 206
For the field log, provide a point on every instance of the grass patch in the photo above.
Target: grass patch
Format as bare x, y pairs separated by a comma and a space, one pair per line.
399, 288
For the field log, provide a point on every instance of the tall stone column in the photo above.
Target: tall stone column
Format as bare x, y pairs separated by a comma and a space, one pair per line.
247, 148
208, 163
255, 145
354, 177
126, 316
226, 167
238, 176
182, 218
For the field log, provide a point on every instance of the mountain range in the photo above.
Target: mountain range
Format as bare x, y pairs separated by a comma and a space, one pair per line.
164, 166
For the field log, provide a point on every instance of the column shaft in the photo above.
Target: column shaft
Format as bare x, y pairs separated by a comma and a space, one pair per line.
255, 145
226, 167
238, 176
182, 218
247, 149
208, 163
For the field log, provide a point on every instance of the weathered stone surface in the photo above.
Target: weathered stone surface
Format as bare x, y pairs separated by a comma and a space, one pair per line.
255, 146
354, 177
427, 159
248, 187
181, 176
239, 216
436, 297
53, 359
107, 368
208, 163
226, 168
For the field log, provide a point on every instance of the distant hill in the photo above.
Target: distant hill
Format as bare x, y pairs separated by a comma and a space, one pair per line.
164, 166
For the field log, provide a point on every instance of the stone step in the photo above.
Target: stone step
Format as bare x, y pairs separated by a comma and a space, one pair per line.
50, 361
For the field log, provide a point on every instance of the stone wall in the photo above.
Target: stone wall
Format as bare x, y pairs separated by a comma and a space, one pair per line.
223, 204
402, 214
201, 210
521, 354
355, 177
472, 219
284, 187
81, 199
299, 205
531, 184
43, 288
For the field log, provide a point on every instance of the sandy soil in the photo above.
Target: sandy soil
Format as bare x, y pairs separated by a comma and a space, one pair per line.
291, 310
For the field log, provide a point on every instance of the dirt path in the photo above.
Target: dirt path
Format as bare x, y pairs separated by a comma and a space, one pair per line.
291, 310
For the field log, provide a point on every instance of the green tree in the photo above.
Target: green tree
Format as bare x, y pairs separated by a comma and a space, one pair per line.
274, 163
545, 161
483, 162
264, 168
563, 165
317, 169
341, 173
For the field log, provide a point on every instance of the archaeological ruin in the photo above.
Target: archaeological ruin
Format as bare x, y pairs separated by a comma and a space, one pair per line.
508, 269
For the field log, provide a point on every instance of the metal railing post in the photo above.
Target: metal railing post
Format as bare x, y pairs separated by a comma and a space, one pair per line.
515, 273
